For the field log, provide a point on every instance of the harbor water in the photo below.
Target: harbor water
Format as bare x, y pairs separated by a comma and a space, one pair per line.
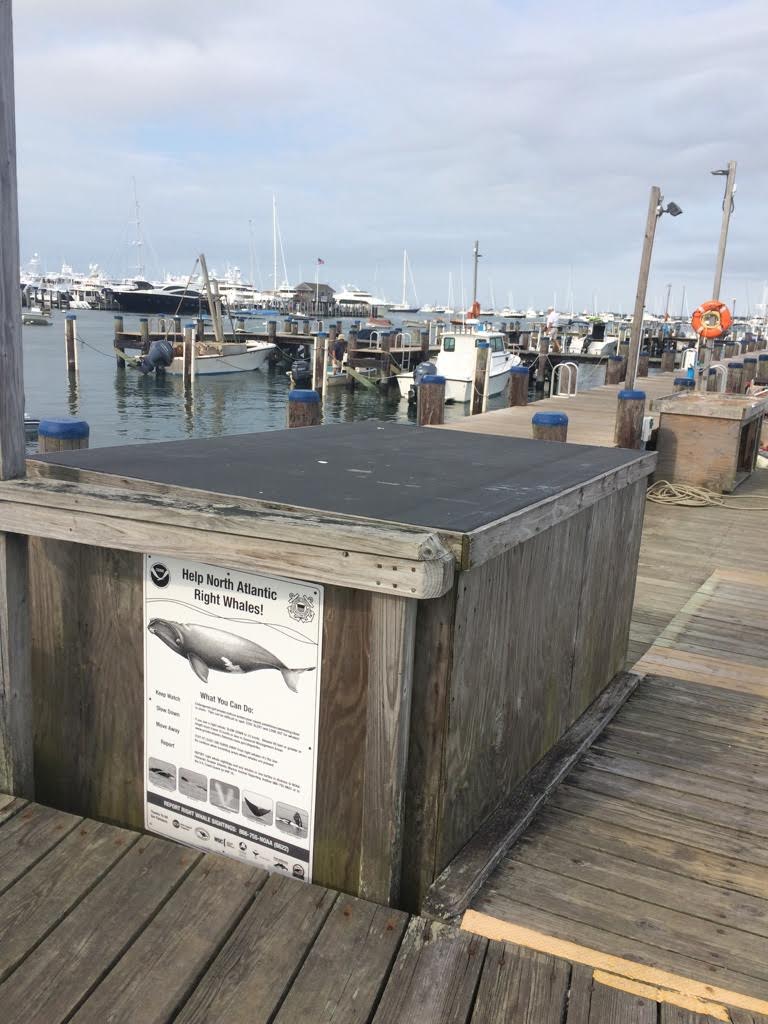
125, 407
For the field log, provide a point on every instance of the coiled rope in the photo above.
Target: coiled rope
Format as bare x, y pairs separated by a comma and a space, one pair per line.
665, 493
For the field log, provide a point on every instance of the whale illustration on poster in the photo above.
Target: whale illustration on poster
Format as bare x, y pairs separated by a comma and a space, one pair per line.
232, 694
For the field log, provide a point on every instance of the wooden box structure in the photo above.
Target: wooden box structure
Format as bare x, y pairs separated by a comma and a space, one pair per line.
708, 440
478, 594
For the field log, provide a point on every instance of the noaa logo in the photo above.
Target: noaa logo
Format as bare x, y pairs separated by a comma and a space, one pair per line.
160, 574
301, 608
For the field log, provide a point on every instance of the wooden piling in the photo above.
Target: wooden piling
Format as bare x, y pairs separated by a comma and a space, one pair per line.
482, 361
717, 351
734, 381
305, 326
303, 408
642, 363
613, 369
541, 363
239, 324
424, 342
144, 332
62, 434
630, 410
684, 384
750, 370
319, 361
16, 747
430, 400
712, 382
199, 329
70, 342
762, 368
352, 339
668, 359
730, 350
549, 426
331, 334
519, 379
187, 360
177, 325
272, 331
118, 342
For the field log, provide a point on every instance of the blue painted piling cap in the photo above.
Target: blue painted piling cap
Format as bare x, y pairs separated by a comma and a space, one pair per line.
629, 395
711, 370
736, 365
321, 334
432, 378
71, 316
617, 359
684, 382
520, 369
303, 395
550, 419
143, 319
193, 324
750, 359
65, 427
483, 344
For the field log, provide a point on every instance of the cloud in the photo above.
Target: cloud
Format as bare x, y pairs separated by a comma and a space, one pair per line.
537, 128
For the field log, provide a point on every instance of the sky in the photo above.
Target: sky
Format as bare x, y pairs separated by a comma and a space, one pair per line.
537, 128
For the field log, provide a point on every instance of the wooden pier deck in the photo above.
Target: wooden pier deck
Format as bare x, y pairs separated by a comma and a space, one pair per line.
650, 861
99, 924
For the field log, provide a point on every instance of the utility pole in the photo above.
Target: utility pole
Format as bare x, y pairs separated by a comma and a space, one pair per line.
16, 757
730, 185
636, 331
476, 256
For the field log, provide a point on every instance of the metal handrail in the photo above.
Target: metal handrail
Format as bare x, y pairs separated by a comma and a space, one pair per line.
573, 379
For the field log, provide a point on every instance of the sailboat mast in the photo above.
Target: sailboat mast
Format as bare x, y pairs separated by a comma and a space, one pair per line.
274, 243
139, 243
476, 257
405, 270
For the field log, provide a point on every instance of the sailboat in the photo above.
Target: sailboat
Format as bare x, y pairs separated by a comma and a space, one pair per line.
403, 306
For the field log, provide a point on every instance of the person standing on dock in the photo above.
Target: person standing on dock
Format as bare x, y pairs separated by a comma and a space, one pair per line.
553, 320
339, 351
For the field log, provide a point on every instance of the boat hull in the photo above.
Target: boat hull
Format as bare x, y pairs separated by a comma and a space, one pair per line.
457, 389
150, 303
236, 362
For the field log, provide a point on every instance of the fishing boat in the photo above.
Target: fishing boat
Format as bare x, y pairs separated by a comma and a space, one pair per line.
231, 357
36, 317
456, 362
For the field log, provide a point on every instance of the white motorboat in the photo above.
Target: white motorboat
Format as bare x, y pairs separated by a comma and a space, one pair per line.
231, 357
36, 317
456, 362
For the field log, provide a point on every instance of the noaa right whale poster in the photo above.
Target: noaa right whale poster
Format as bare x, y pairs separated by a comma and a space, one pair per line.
231, 697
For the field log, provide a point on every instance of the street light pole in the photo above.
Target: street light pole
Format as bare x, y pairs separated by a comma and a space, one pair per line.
636, 331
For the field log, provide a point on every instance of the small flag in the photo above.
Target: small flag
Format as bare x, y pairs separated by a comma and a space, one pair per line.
320, 262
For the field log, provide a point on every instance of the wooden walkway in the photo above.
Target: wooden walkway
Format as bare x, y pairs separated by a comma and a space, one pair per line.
651, 862
591, 414
100, 925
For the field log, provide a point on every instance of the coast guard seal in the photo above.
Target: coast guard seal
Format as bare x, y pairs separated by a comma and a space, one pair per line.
301, 608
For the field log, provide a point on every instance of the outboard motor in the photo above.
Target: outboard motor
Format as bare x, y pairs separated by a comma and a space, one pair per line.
160, 356
422, 370
301, 373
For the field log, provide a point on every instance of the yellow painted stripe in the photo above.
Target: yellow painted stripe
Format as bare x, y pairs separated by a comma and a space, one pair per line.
493, 928
663, 995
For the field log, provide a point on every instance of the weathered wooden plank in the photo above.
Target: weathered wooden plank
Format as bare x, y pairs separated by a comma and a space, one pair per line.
40, 510
579, 995
434, 978
10, 805
16, 758
521, 985
670, 1014
341, 739
47, 892
251, 975
739, 1016
453, 891
390, 687
159, 970
55, 978
27, 837
347, 967
611, 1006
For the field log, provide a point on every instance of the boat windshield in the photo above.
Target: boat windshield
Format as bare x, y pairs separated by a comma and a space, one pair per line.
449, 344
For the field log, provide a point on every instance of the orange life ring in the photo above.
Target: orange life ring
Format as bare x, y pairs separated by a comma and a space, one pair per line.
711, 319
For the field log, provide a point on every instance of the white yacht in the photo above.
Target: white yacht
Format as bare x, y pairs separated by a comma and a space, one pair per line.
456, 362
350, 296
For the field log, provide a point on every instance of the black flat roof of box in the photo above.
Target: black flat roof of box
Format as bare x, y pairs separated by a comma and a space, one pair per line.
444, 479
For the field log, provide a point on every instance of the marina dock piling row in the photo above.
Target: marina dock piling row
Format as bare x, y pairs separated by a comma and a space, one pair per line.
70, 342
303, 408
629, 419
518, 385
549, 426
734, 381
430, 400
613, 369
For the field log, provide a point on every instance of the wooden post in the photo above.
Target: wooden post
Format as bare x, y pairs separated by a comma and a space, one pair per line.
734, 381
636, 329
519, 379
305, 326
712, 382
16, 752
70, 342
430, 400
187, 361
541, 363
717, 351
549, 426
629, 419
762, 368
613, 369
352, 340
319, 358
272, 331
303, 408
482, 359
177, 325
750, 370
62, 434
424, 341
239, 324
642, 363
144, 331
684, 384
287, 325
668, 360
331, 335
730, 182
118, 341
